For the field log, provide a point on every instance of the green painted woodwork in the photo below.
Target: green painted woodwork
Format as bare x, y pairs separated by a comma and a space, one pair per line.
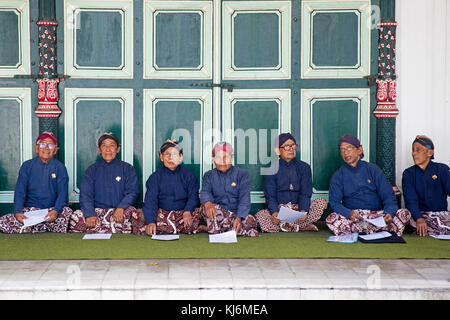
172, 117
14, 39
385, 157
335, 39
330, 120
252, 139
9, 38
94, 117
178, 40
176, 54
256, 40
99, 39
16, 143
10, 157
47, 10
183, 115
387, 10
88, 113
326, 115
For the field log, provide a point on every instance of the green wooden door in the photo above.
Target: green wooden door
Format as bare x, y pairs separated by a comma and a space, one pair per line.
200, 72
16, 122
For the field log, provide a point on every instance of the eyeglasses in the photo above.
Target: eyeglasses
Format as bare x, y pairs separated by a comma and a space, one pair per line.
348, 148
289, 147
170, 155
42, 145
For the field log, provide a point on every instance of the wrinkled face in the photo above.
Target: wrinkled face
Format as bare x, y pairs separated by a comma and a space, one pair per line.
108, 150
223, 160
171, 158
350, 153
287, 151
46, 149
421, 154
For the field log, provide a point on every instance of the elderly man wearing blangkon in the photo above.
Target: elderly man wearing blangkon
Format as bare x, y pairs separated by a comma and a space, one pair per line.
107, 193
426, 187
359, 190
42, 184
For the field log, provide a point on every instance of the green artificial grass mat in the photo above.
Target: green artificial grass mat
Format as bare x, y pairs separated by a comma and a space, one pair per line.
54, 246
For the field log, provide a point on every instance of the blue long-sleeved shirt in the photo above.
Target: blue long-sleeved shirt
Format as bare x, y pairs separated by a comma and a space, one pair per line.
292, 183
41, 185
170, 190
361, 187
426, 190
108, 185
230, 190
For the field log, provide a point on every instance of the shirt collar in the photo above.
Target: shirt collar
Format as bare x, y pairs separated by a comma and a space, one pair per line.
170, 171
104, 163
287, 164
225, 173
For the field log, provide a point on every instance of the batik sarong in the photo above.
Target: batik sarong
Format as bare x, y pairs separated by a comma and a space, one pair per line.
315, 212
438, 222
224, 222
340, 225
167, 222
9, 223
105, 224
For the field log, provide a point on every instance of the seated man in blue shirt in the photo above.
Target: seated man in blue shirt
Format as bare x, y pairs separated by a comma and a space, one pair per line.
225, 195
42, 184
426, 187
290, 186
107, 192
359, 190
171, 203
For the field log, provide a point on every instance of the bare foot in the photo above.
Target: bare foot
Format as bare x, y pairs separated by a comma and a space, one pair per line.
311, 227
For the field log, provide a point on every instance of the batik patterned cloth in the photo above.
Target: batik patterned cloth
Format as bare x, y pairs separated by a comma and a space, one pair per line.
340, 225
438, 222
9, 223
105, 224
167, 222
224, 222
316, 209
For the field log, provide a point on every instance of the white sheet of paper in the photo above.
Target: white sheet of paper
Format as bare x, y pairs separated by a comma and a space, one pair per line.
346, 238
101, 236
376, 235
379, 222
165, 237
289, 215
34, 217
441, 236
225, 237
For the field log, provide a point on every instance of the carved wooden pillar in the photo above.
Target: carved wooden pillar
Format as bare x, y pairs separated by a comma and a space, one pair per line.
386, 110
47, 110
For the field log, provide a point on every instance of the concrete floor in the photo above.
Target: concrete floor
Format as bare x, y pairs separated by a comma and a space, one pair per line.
226, 279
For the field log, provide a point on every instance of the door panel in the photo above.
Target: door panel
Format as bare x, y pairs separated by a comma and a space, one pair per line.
183, 115
98, 39
326, 115
256, 39
335, 39
88, 114
177, 39
16, 142
252, 119
14, 38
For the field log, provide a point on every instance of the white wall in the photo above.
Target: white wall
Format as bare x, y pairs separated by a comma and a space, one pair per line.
423, 83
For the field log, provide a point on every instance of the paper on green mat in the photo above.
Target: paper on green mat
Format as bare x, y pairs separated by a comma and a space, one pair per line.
277, 245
